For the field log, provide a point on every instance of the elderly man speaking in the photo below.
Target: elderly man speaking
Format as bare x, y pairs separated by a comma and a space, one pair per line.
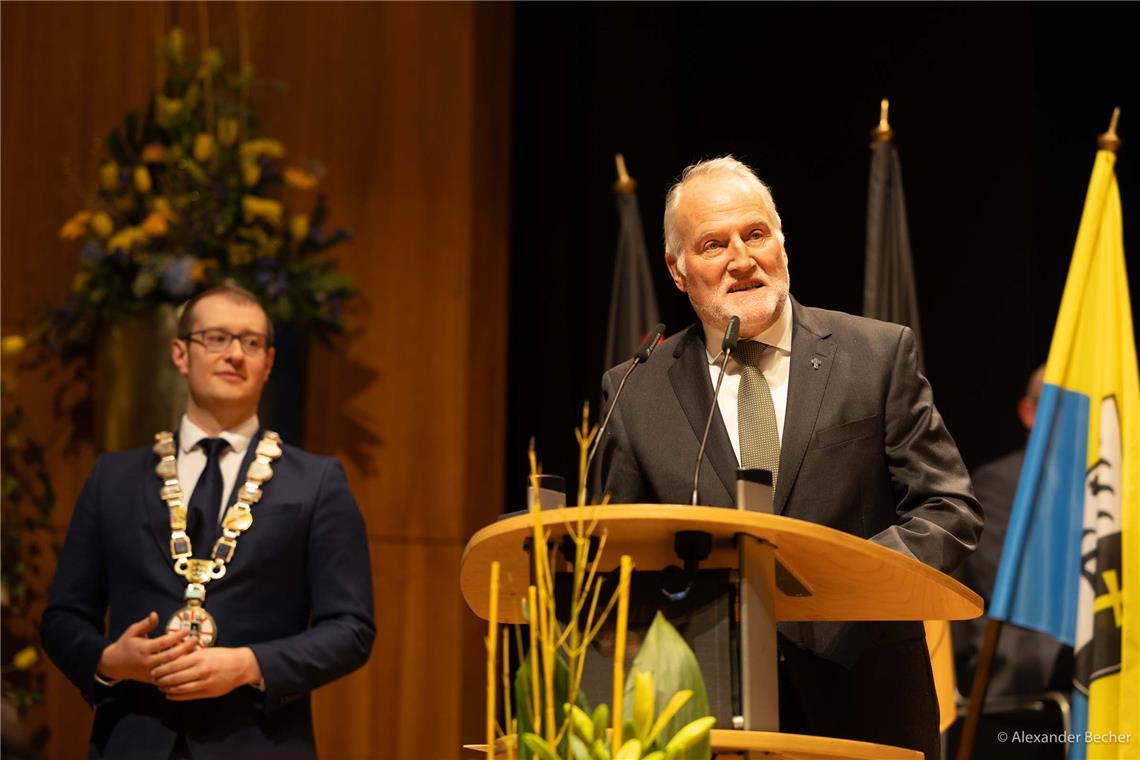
835, 406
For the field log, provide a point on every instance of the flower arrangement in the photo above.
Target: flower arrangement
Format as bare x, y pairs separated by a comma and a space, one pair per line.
191, 195
659, 712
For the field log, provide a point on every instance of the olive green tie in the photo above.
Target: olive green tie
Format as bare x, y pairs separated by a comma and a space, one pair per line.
756, 414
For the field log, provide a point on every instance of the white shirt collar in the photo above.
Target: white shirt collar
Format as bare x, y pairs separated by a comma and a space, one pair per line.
239, 437
778, 334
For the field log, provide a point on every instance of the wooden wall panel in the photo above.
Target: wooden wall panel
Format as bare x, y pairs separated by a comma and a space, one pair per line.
407, 105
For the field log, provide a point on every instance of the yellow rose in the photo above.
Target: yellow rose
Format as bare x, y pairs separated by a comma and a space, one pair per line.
162, 206
26, 658
211, 63
166, 110
199, 267
176, 43
152, 153
261, 208
80, 281
204, 147
76, 226
109, 176
299, 178
101, 224
299, 227
239, 254
142, 179
228, 131
250, 173
262, 147
155, 225
12, 345
125, 238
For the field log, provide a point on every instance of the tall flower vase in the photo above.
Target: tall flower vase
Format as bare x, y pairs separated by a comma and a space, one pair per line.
137, 391
283, 401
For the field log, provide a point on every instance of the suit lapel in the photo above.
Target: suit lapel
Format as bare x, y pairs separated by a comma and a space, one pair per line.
693, 388
812, 354
156, 512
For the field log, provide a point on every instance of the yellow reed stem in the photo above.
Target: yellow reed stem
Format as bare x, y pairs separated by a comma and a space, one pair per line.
492, 647
619, 651
204, 45
507, 720
532, 611
548, 652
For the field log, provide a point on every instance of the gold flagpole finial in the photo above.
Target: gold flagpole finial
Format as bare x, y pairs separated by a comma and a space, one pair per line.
625, 184
1110, 140
883, 132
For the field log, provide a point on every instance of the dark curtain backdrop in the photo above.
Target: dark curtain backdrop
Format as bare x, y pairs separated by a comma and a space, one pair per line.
996, 110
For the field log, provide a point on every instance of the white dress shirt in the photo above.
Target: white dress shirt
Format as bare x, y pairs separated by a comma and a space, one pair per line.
775, 363
192, 460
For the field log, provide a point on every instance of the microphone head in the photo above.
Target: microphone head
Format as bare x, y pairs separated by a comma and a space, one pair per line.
650, 343
731, 335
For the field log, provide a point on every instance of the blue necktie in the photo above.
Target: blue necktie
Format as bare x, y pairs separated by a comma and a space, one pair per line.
207, 498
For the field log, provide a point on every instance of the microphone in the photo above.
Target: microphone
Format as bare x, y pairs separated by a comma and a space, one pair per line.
642, 354
727, 346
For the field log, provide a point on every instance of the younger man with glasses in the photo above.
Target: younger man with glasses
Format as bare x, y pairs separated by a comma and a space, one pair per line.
234, 567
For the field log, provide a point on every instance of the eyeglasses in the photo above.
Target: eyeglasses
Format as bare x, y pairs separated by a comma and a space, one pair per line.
216, 341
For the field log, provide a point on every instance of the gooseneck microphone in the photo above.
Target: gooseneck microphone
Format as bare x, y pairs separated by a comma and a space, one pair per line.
727, 346
641, 355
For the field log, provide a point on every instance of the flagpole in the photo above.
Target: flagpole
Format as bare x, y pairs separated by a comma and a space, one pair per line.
625, 184
882, 131
1110, 140
978, 690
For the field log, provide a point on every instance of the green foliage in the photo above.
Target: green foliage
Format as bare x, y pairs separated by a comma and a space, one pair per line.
523, 704
678, 731
674, 669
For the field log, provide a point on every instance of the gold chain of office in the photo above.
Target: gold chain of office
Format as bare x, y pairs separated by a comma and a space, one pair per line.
238, 519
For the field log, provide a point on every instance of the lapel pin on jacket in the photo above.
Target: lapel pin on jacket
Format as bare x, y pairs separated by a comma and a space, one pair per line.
816, 362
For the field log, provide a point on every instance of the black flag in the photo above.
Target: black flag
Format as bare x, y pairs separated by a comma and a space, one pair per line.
633, 302
888, 281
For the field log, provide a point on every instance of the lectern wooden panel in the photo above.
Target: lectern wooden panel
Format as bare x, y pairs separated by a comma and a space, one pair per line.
845, 577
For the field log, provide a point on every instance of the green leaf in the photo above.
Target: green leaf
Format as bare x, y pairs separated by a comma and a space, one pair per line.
539, 747
690, 736
601, 721
675, 704
644, 705
674, 667
523, 699
581, 721
578, 749
631, 750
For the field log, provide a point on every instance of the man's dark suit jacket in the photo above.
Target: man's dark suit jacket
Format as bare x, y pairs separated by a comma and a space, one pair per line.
864, 451
298, 592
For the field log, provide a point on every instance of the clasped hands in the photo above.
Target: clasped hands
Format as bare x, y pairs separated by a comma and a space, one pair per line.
177, 664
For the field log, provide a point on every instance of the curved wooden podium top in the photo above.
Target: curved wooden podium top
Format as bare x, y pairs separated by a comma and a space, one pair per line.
835, 575
769, 746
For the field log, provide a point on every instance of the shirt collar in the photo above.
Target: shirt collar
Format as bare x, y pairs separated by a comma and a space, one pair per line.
238, 437
778, 334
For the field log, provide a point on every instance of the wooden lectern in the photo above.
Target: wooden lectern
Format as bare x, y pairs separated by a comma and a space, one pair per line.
790, 570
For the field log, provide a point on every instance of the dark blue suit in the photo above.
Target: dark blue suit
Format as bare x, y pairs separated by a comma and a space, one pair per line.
298, 592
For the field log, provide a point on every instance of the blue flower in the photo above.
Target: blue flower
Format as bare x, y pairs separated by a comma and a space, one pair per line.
177, 279
275, 283
91, 252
